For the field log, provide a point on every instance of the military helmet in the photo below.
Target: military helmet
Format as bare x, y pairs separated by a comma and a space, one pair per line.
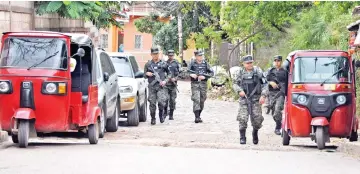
154, 50
247, 58
170, 52
278, 57
198, 53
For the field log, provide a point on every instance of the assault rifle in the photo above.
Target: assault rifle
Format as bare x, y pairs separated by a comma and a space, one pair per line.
157, 77
172, 76
200, 74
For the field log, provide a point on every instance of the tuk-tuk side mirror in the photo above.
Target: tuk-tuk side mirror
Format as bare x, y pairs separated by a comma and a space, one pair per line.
80, 53
139, 74
357, 64
106, 76
72, 64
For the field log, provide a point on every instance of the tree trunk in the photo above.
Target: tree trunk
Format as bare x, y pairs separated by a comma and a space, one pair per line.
180, 35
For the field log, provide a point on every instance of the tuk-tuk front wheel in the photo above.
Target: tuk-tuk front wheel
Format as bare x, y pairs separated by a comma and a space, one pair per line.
15, 138
320, 137
285, 138
94, 132
23, 134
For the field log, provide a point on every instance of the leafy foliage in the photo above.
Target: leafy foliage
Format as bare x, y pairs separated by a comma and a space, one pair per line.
100, 13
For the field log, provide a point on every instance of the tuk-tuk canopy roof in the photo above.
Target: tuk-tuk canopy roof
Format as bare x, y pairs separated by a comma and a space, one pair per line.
78, 38
306, 53
354, 26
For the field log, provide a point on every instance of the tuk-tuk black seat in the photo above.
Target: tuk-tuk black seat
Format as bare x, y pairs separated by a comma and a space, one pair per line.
85, 81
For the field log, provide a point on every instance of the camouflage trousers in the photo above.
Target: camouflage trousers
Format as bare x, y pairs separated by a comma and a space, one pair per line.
156, 94
172, 94
198, 96
243, 114
279, 106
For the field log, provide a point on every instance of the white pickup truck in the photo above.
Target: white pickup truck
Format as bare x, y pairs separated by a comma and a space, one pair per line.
133, 87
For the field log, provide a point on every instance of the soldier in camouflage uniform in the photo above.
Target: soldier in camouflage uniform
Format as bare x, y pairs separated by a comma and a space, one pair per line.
171, 86
157, 92
277, 78
250, 84
201, 72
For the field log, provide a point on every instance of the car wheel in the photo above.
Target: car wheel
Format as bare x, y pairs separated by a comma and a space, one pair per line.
143, 111
102, 121
133, 116
15, 139
112, 124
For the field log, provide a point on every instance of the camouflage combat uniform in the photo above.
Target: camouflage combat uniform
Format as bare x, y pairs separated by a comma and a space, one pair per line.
248, 82
156, 92
199, 88
171, 87
277, 96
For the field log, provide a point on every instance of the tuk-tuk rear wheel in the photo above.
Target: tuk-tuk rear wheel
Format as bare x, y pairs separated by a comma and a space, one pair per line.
320, 137
285, 138
354, 136
94, 132
23, 134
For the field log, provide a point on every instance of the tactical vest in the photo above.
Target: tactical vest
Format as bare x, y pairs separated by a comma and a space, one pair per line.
157, 67
279, 77
199, 68
250, 81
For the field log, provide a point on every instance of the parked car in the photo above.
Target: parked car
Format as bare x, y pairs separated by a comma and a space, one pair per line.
133, 87
109, 95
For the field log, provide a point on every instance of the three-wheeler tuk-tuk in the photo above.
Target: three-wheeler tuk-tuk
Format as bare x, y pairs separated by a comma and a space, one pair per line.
48, 84
320, 100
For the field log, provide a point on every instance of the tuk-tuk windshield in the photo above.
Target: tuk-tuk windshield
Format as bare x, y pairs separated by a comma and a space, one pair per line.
320, 69
25, 52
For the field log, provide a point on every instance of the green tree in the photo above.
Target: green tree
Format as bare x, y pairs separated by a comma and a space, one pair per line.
102, 14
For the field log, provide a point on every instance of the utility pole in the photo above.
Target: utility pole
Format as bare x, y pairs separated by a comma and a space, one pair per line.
180, 34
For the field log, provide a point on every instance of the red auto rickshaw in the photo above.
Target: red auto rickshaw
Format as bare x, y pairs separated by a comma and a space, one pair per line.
43, 89
321, 95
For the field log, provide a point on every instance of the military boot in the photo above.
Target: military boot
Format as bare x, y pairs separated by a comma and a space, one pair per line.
200, 120
171, 114
161, 116
165, 112
197, 116
255, 136
277, 128
243, 136
153, 119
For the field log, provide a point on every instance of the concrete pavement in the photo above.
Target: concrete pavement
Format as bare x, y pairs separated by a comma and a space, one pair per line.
116, 158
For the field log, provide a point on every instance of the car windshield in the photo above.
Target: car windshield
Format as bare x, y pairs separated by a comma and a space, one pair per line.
23, 52
122, 67
320, 69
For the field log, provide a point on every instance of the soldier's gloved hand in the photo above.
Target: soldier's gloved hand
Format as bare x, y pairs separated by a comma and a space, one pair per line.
201, 77
262, 100
163, 83
273, 84
193, 76
242, 94
149, 74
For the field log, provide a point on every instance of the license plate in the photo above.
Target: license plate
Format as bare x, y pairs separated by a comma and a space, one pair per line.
329, 87
321, 101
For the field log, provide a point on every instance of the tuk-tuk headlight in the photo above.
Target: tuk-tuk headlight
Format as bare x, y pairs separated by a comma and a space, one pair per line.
54, 88
50, 88
301, 99
4, 87
341, 99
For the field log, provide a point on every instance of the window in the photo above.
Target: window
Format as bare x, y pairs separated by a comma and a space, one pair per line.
138, 41
104, 41
320, 69
105, 65
122, 67
38, 52
134, 64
